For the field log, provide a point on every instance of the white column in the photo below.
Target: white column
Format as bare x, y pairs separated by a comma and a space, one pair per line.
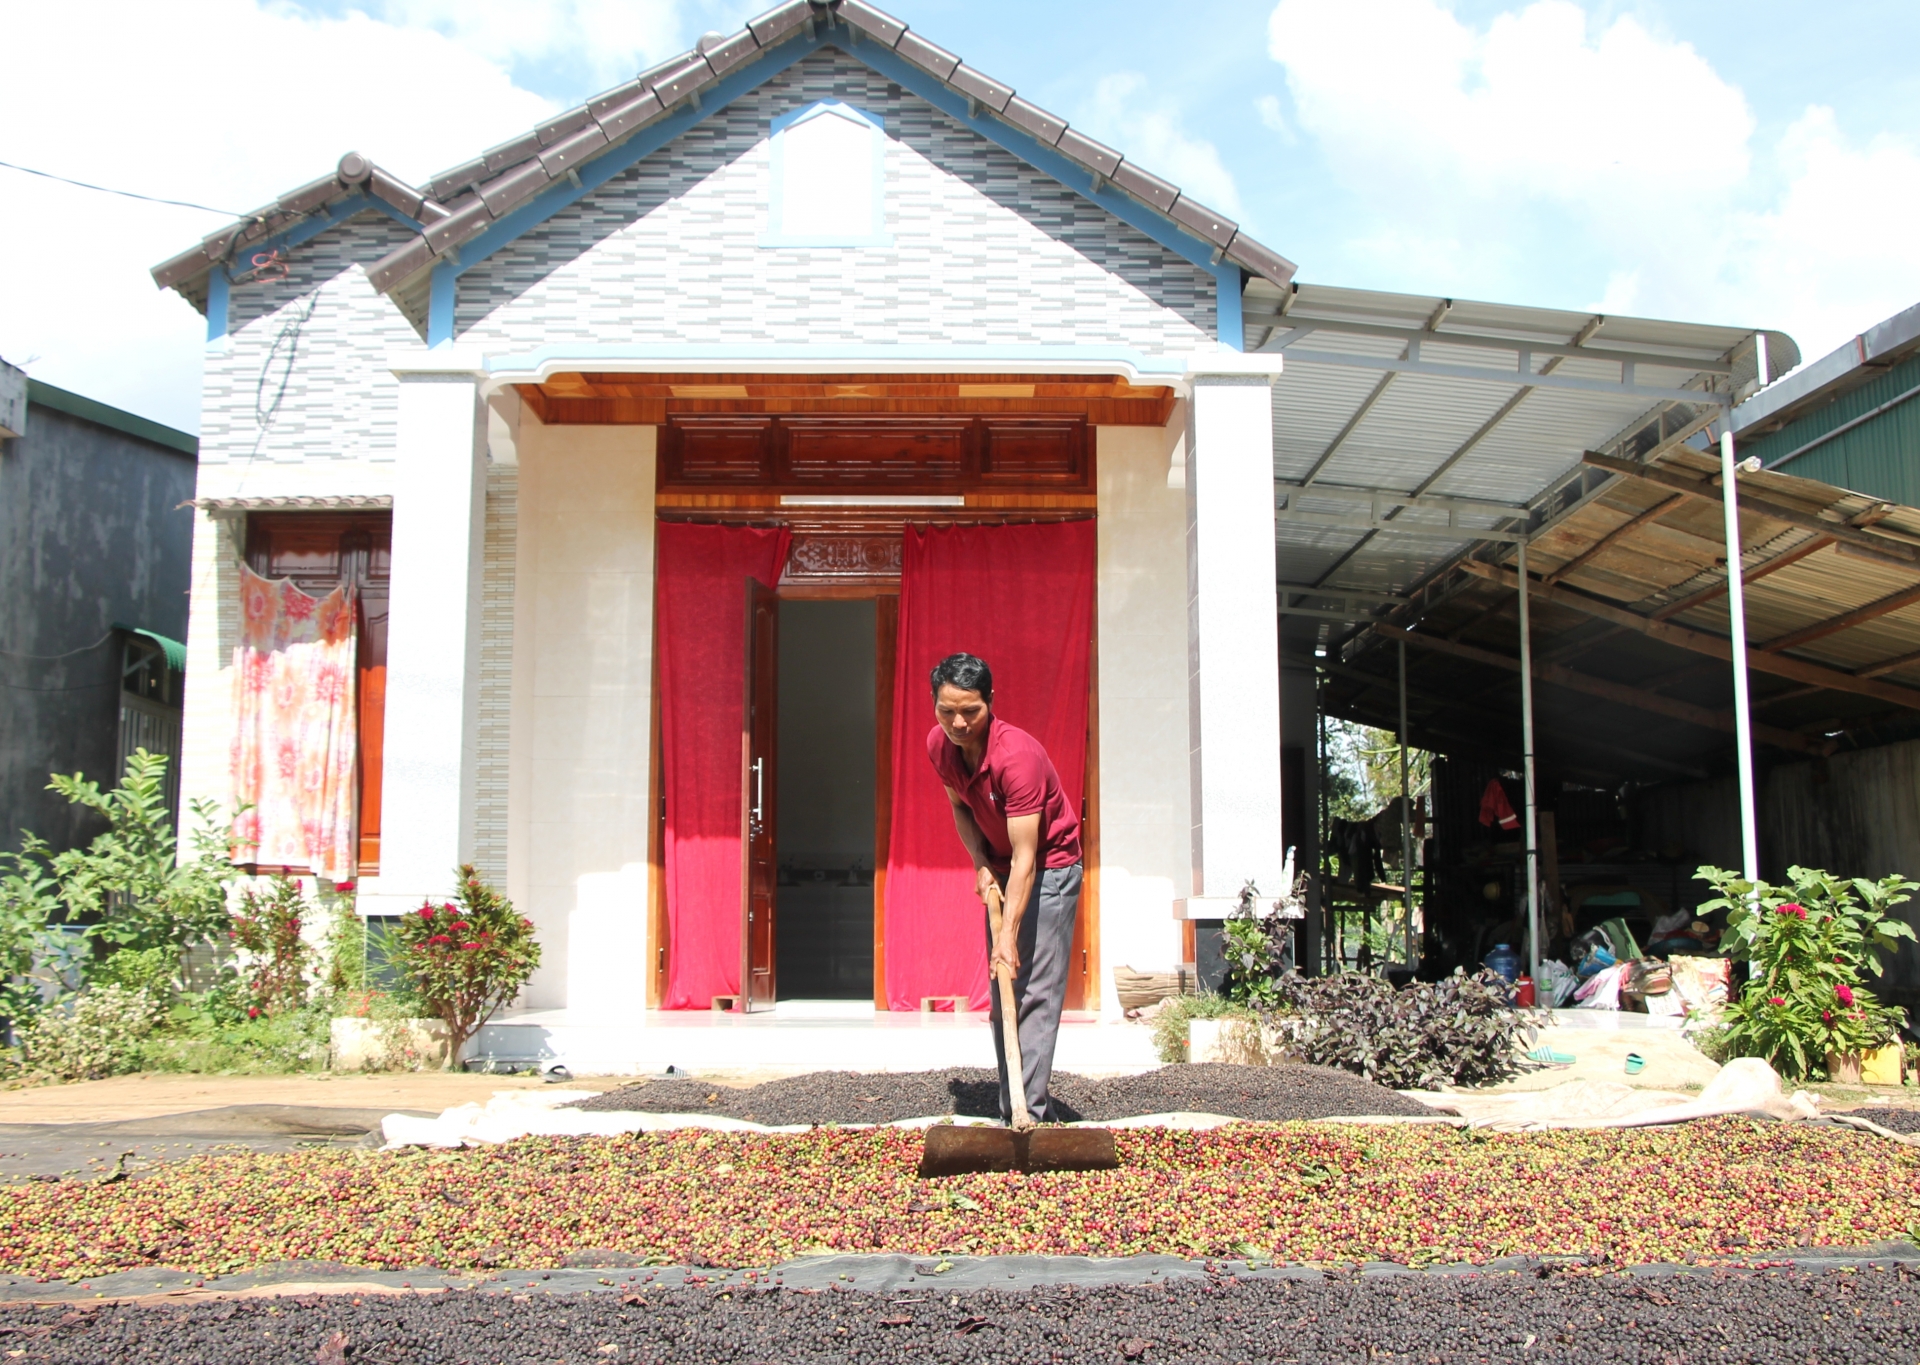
1233, 647
433, 633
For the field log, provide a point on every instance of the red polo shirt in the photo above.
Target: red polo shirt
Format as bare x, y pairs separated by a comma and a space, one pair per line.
1015, 777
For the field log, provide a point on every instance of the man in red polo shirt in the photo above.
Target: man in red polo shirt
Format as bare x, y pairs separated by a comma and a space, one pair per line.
1021, 833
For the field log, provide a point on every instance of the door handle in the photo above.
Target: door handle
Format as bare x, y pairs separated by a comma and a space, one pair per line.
759, 790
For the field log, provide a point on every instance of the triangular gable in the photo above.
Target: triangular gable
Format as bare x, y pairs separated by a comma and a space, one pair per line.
466, 214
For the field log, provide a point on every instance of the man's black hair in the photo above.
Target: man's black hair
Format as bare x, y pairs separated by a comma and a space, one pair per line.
965, 672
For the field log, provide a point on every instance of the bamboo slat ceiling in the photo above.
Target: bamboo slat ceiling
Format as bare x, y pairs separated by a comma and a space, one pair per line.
1630, 629
649, 399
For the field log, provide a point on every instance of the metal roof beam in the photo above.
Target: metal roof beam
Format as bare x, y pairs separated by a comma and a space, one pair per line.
1903, 553
1303, 325
1625, 528
1700, 642
1758, 571
1348, 594
1619, 693
1542, 379
1452, 531
1379, 498
1819, 630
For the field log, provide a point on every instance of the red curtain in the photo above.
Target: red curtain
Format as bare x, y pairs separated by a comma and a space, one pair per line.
701, 579
1020, 597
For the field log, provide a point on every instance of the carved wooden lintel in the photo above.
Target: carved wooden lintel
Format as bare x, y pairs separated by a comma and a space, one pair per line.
842, 558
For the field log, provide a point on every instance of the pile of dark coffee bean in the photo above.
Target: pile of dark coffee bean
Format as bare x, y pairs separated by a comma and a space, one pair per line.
1899, 1120
1269, 1093
1863, 1317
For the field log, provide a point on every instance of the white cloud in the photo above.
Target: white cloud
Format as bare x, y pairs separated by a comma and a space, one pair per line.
613, 38
1481, 156
1272, 117
1152, 136
232, 109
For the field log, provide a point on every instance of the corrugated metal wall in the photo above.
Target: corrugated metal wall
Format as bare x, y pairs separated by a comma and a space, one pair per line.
1880, 457
1856, 814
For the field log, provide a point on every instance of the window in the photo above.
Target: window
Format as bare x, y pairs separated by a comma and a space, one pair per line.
829, 178
319, 551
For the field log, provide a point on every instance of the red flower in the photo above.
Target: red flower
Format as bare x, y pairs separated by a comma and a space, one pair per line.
1776, 1000
426, 912
1845, 992
461, 924
253, 1011
1797, 911
469, 947
343, 888
439, 938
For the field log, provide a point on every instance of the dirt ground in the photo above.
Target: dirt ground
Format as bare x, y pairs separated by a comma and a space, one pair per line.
151, 1096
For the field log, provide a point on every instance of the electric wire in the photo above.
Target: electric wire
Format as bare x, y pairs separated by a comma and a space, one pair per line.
125, 194
49, 658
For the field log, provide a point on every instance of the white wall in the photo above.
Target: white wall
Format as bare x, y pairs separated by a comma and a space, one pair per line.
577, 808
1144, 779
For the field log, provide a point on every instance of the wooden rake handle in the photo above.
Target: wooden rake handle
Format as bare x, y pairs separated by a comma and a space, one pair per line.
1009, 1019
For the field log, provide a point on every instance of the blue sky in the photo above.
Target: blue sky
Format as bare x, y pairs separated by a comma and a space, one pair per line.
1756, 164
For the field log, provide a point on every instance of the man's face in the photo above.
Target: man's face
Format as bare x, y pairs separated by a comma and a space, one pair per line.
961, 713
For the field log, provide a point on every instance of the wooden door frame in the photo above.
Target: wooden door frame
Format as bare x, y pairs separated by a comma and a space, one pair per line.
1083, 987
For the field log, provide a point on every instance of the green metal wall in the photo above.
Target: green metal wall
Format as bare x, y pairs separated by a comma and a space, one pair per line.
1880, 457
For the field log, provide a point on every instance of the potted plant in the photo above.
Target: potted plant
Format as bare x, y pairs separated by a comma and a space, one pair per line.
466, 957
1805, 1007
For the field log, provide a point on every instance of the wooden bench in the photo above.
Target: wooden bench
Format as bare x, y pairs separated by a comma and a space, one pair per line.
930, 1004
726, 1004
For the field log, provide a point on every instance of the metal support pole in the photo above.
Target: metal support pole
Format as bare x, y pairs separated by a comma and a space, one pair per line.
1737, 613
1406, 816
1526, 755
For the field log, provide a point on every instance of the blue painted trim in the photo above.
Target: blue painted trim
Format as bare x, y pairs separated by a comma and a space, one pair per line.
819, 107
876, 235
745, 79
219, 301
308, 228
442, 287
1036, 153
597, 172
1229, 324
527, 362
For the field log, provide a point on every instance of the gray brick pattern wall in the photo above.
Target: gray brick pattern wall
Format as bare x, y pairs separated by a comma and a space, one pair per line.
304, 379
987, 250
496, 671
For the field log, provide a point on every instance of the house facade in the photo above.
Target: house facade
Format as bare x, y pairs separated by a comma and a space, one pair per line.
622, 485
818, 294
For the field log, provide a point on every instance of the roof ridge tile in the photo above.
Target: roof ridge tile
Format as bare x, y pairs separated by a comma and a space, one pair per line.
460, 203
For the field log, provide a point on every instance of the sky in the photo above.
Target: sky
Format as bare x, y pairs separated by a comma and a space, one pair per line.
1752, 164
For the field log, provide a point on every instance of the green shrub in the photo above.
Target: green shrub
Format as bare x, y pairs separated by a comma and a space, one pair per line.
1170, 1024
466, 959
153, 970
96, 1033
266, 927
1809, 943
1461, 1030
211, 1034
346, 946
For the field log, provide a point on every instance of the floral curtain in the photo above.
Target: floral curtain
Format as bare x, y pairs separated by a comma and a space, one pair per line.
294, 739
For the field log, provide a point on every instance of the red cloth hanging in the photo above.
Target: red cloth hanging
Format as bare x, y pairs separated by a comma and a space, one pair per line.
1495, 809
1020, 597
701, 579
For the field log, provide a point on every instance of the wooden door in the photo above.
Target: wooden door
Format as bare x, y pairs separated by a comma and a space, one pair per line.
320, 551
758, 875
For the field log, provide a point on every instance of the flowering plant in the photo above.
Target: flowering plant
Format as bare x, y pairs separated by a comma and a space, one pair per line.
1809, 944
467, 957
266, 928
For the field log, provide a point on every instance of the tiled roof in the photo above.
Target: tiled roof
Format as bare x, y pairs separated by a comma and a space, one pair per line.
460, 204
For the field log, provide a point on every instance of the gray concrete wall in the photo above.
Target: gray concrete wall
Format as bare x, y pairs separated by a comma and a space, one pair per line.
1855, 814
92, 532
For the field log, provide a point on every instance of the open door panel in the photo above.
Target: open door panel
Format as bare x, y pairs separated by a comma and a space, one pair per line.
758, 873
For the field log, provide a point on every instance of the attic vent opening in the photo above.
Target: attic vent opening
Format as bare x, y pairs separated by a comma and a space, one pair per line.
827, 186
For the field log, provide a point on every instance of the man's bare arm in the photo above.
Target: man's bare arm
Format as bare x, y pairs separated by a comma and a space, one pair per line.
1023, 832
975, 842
